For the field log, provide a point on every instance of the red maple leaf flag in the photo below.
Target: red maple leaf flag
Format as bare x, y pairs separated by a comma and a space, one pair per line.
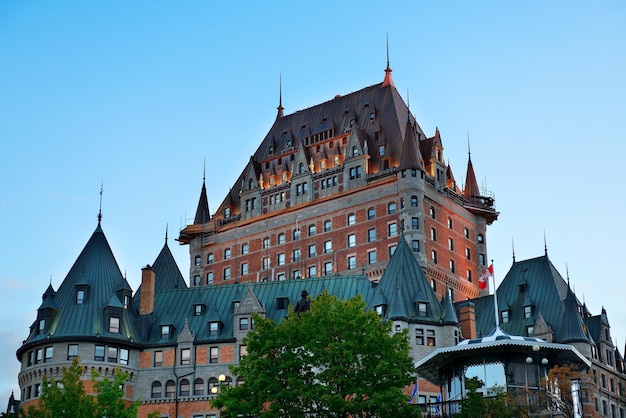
482, 280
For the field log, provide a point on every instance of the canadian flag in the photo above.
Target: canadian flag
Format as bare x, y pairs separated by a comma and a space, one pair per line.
482, 280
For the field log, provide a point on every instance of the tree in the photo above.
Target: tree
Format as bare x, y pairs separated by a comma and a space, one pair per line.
337, 359
475, 405
66, 397
557, 387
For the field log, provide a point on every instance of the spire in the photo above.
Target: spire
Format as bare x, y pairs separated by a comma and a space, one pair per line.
280, 98
388, 81
100, 210
202, 212
513, 248
166, 227
545, 243
470, 191
411, 157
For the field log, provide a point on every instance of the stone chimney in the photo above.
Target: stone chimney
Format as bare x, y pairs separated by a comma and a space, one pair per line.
467, 318
146, 301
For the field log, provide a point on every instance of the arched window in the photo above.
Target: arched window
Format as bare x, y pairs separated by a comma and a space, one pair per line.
156, 390
170, 389
198, 387
184, 388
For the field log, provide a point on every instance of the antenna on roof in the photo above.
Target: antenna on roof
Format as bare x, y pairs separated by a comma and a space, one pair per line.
100, 210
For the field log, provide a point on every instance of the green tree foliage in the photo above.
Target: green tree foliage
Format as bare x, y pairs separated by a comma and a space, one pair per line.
66, 397
337, 359
475, 405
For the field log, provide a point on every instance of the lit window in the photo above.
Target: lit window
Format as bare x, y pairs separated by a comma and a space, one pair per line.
430, 337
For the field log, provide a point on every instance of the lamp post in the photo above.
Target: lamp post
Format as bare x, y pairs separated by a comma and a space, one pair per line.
215, 389
529, 360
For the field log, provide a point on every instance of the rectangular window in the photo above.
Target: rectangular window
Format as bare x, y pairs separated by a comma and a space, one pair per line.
352, 240
468, 254
209, 258
419, 336
352, 262
226, 272
243, 324
371, 235
266, 243
392, 230
48, 353
392, 249
214, 353
312, 271
391, 208
80, 297
312, 250
466, 233
209, 278
72, 351
422, 309
452, 266
433, 234
295, 274
415, 223
351, 219
280, 259
185, 356
433, 256
245, 248
468, 275
196, 280
481, 259
243, 350
123, 356
328, 225
244, 268
311, 230
165, 332
371, 257
227, 253
328, 247
112, 354
450, 244
430, 337
371, 214
158, 358
281, 240
99, 353
328, 268
214, 328
415, 246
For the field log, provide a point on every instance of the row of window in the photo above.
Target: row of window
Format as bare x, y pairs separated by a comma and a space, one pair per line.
312, 230
185, 388
110, 354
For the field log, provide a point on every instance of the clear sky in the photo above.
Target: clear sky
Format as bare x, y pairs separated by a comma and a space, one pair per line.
137, 94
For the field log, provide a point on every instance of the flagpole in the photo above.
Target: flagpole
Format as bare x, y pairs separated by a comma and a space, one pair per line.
495, 296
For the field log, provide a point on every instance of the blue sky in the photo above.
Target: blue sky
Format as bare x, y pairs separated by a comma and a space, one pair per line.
136, 95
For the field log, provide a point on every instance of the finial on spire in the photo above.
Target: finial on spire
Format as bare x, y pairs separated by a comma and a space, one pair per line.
469, 152
388, 81
545, 243
204, 170
280, 97
513, 248
166, 228
100, 210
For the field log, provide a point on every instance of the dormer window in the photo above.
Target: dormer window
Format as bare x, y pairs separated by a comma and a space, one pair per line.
355, 151
126, 301
227, 212
282, 302
80, 297
166, 331
523, 287
380, 310
198, 309
214, 328
114, 324
422, 309
504, 316
41, 326
528, 311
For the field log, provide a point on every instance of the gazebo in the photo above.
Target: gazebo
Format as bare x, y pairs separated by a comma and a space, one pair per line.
523, 361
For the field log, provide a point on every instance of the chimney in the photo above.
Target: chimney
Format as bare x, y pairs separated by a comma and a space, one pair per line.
467, 318
146, 301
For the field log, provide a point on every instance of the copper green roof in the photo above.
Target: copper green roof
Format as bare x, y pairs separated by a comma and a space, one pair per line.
96, 272
403, 284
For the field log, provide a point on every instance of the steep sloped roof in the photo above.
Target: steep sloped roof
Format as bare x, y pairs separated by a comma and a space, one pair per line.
203, 215
403, 283
95, 270
533, 282
167, 273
